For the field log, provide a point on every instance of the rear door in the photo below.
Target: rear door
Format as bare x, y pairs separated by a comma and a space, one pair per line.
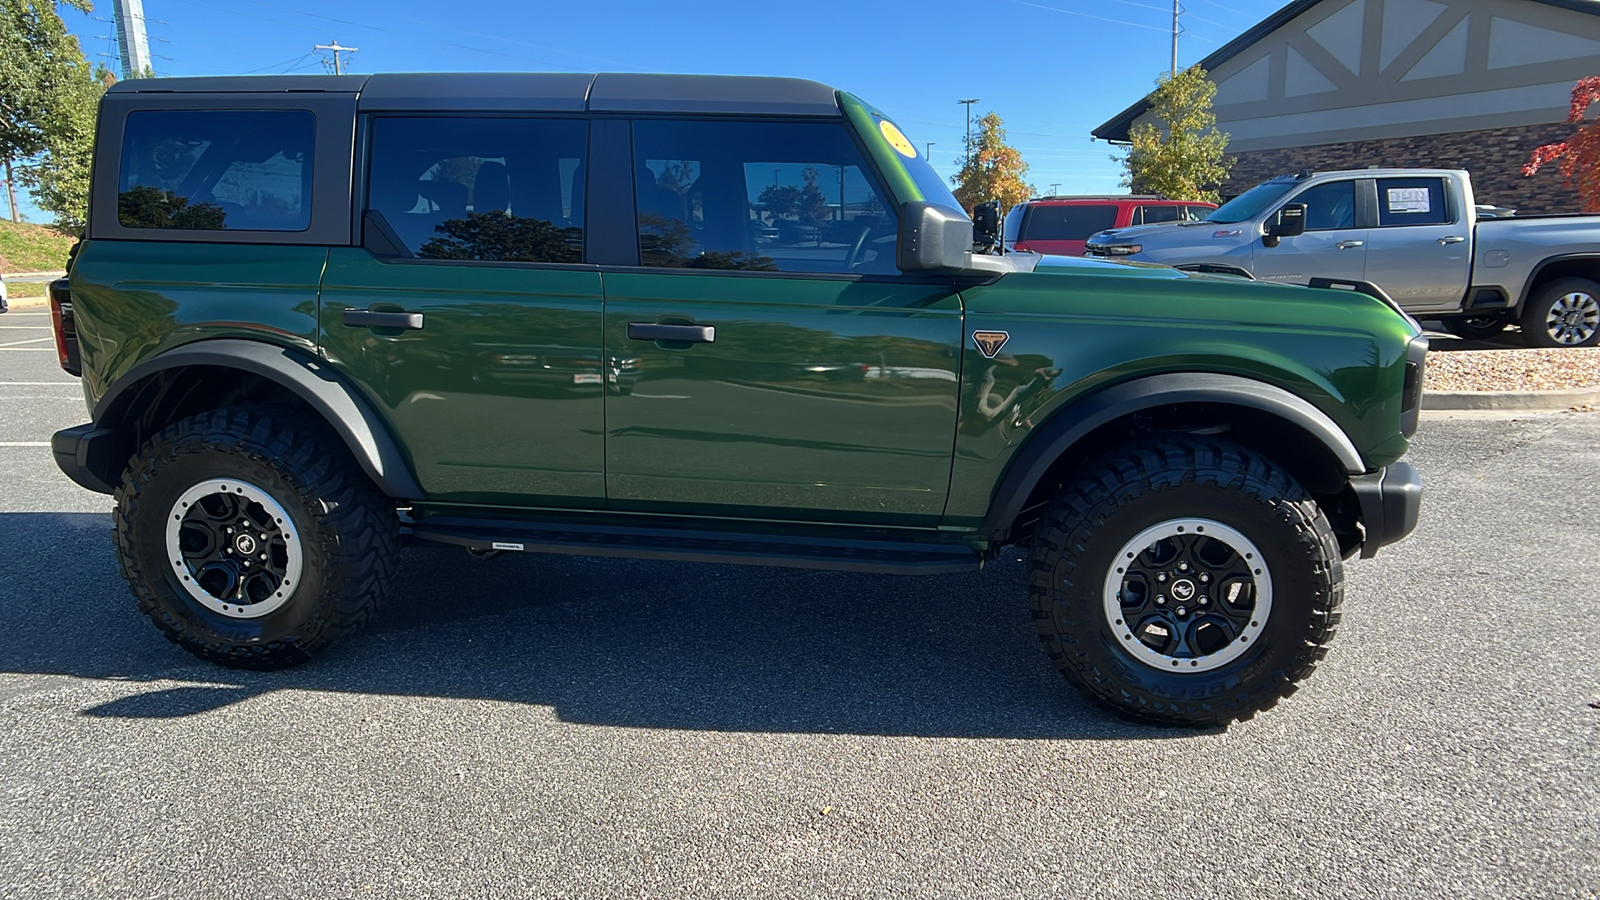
785, 368
1334, 244
1419, 253
468, 316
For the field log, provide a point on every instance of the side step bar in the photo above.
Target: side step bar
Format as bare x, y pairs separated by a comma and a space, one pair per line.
887, 557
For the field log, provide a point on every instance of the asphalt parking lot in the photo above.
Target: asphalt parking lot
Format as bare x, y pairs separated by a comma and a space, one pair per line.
545, 726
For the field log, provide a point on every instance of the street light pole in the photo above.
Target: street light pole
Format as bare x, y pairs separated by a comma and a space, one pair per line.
927, 152
968, 105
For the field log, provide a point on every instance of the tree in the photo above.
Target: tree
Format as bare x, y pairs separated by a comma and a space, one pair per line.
48, 95
1579, 154
813, 206
1185, 160
991, 169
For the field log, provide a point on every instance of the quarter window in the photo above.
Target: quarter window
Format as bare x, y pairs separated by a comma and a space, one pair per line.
1412, 201
774, 197
216, 169
501, 190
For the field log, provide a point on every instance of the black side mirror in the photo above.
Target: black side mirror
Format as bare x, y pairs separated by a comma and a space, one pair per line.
932, 238
1289, 222
986, 225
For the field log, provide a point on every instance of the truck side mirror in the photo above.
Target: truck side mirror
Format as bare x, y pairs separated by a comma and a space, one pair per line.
1288, 222
932, 238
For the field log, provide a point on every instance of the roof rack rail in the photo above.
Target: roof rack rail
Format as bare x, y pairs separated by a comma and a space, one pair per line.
1103, 197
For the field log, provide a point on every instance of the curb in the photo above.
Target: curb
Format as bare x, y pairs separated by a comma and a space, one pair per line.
1528, 401
20, 276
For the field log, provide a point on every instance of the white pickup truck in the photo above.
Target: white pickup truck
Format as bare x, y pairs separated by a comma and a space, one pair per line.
1415, 233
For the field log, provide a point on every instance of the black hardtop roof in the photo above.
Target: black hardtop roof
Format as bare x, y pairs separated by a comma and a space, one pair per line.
529, 92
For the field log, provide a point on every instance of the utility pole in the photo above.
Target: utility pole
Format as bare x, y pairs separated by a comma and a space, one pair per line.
927, 152
334, 47
1055, 189
1177, 29
133, 48
968, 105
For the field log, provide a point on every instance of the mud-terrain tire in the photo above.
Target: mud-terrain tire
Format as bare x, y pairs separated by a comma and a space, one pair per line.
217, 511
1476, 328
1094, 570
1563, 313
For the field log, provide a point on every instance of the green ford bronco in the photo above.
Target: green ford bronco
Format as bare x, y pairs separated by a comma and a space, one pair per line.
728, 320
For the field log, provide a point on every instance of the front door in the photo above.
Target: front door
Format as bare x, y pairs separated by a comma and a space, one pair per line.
1332, 245
784, 367
468, 318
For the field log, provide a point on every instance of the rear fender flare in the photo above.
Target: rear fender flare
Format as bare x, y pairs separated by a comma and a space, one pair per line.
1069, 425
312, 380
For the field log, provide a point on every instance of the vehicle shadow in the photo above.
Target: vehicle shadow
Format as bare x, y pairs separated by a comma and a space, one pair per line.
1445, 342
635, 644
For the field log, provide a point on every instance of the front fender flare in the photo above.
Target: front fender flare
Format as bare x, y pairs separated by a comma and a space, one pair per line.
312, 380
1067, 426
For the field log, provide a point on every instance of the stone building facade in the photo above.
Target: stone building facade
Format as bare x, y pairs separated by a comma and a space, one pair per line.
1346, 84
1494, 156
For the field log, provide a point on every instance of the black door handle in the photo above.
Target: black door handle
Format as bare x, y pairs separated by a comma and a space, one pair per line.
693, 334
369, 318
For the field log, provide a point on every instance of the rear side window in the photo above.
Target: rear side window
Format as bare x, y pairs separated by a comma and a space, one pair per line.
758, 196
1157, 214
216, 169
1412, 201
1051, 222
501, 190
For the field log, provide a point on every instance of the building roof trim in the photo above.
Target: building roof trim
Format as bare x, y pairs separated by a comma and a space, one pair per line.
1116, 128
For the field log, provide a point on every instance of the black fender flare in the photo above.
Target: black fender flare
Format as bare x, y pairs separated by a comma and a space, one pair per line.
1547, 262
312, 380
1067, 426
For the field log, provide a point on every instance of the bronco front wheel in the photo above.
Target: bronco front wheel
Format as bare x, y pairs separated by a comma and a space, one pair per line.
1185, 581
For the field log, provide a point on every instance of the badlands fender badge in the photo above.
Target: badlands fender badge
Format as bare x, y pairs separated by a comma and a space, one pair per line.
990, 342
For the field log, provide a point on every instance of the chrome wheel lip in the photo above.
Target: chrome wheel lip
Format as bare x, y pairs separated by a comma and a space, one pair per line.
1247, 638
187, 575
1573, 318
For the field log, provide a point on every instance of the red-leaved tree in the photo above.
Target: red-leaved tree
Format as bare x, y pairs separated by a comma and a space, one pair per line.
1579, 154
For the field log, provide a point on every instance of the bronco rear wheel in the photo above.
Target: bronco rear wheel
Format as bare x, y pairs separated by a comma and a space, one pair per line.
1185, 581
251, 538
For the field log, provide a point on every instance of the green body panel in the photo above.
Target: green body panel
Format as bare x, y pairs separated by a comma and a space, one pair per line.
1082, 325
820, 398
499, 398
133, 300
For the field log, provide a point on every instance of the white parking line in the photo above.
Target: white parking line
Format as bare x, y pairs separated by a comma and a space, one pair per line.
27, 349
24, 443
37, 383
28, 327
28, 341
12, 315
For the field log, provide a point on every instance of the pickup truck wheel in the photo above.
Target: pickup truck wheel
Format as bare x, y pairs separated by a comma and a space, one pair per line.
251, 538
1185, 581
1563, 313
1476, 328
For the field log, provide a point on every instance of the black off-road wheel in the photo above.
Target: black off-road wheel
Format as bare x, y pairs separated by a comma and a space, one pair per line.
1185, 581
251, 538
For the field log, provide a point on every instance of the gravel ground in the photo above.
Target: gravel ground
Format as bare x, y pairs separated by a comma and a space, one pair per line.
1513, 370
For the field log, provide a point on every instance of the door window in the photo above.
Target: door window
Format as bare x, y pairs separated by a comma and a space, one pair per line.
506, 190
1412, 201
774, 197
1329, 206
1197, 213
216, 169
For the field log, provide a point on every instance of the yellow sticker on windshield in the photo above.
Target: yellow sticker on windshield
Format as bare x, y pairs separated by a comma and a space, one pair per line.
896, 139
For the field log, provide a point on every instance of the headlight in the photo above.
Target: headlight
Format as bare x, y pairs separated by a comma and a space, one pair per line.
1121, 249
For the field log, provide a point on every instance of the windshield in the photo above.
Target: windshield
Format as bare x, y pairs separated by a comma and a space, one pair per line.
1250, 203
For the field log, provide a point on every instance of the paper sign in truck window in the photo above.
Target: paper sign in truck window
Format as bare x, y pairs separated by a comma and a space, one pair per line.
1409, 200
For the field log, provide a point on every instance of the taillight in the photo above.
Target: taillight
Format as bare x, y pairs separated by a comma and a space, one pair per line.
65, 329
1020, 247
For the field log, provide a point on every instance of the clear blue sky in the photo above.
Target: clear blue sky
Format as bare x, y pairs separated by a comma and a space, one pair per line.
1053, 69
